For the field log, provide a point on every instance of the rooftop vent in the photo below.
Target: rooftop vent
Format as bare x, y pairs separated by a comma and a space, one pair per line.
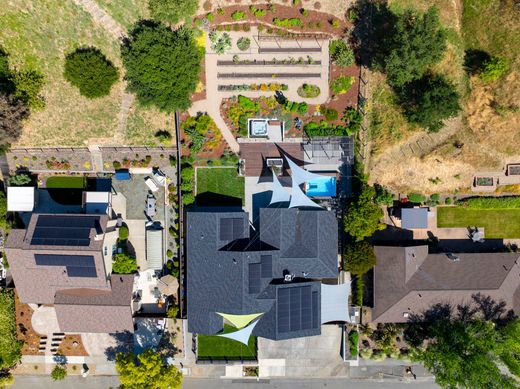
288, 277
406, 314
452, 257
274, 162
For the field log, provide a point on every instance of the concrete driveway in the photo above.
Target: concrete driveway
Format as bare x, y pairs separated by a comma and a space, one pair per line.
314, 356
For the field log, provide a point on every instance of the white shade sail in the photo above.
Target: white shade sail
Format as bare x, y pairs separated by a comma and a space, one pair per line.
298, 174
300, 199
279, 195
242, 335
334, 303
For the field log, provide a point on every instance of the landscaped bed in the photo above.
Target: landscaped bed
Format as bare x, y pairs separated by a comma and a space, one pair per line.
216, 347
497, 223
219, 186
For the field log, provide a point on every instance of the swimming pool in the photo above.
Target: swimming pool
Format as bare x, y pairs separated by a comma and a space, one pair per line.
321, 187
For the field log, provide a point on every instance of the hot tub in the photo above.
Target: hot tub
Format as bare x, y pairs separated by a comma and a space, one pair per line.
258, 127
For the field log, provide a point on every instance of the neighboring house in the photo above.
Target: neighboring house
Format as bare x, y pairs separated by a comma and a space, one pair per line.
410, 280
58, 259
271, 278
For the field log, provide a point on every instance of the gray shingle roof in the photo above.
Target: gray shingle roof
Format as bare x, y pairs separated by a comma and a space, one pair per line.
409, 280
218, 271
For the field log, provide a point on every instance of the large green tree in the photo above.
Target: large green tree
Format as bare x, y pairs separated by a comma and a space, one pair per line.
429, 100
147, 371
462, 354
359, 257
172, 11
162, 66
363, 216
509, 346
124, 264
90, 71
418, 41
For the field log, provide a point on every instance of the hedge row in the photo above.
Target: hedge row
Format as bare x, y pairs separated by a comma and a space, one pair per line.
508, 202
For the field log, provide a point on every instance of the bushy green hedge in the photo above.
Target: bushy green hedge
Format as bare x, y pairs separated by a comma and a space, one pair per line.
288, 22
509, 202
325, 129
416, 198
353, 340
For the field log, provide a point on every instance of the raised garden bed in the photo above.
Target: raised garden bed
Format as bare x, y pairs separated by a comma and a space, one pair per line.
268, 75
513, 170
284, 62
253, 87
264, 50
484, 181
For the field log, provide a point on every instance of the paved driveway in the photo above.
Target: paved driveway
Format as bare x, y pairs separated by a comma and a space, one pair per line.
314, 356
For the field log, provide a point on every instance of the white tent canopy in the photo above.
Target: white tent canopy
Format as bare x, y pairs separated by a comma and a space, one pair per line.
334, 303
242, 335
20, 198
300, 199
280, 195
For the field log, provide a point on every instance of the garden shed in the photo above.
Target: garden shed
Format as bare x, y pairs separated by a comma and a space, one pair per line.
20, 198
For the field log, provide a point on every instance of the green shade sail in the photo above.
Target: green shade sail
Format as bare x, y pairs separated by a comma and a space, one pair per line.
240, 321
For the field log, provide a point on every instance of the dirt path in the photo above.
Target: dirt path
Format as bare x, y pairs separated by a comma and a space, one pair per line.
118, 32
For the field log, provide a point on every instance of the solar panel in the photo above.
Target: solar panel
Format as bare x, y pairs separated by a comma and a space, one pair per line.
295, 308
314, 309
254, 278
306, 316
63, 230
74, 271
231, 228
76, 265
267, 266
283, 310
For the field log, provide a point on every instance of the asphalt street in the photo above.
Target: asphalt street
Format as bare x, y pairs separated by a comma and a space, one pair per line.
105, 382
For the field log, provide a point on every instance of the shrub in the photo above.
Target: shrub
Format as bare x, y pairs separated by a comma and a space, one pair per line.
334, 23
342, 84
287, 22
220, 11
172, 312
90, 71
341, 53
448, 201
247, 104
353, 340
28, 85
10, 350
304, 12
435, 197
317, 5
257, 12
243, 43
383, 196
325, 129
19, 180
169, 253
172, 11
188, 199
210, 16
163, 136
378, 355
162, 66
416, 198
295, 2
493, 69
123, 232
238, 15
117, 165
308, 91
330, 113
124, 264
220, 43
246, 27
353, 119
58, 373
366, 353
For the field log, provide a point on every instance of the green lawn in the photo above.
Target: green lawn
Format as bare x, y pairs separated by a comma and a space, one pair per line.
67, 182
219, 186
125, 12
216, 347
497, 223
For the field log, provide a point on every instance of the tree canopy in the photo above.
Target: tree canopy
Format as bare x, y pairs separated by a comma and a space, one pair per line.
10, 346
90, 71
363, 216
124, 264
162, 66
172, 11
429, 100
359, 257
147, 371
418, 41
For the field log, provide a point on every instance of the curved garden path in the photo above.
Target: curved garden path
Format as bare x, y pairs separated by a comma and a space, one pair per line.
118, 32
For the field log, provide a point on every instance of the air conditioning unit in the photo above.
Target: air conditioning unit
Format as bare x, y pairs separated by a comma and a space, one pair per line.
274, 162
288, 278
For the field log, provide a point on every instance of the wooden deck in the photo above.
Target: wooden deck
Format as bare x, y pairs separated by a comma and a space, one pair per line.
256, 153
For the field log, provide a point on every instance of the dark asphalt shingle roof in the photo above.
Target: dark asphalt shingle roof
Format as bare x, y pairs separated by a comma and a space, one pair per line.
218, 271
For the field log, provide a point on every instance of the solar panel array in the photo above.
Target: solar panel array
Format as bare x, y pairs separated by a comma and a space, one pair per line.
231, 228
296, 310
254, 278
76, 265
63, 230
266, 262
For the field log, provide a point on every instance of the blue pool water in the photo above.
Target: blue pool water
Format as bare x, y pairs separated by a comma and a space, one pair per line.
321, 187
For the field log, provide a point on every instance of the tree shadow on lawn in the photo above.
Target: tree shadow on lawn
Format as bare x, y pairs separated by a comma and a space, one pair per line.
211, 199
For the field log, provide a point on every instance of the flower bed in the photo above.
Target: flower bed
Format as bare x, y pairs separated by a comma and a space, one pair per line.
253, 87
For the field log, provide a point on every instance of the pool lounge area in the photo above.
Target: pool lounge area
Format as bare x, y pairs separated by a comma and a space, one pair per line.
321, 187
